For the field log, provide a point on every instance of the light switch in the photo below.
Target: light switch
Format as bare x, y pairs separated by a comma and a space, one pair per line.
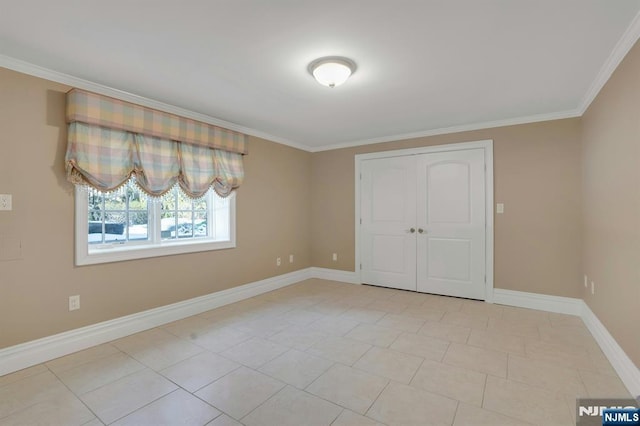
5, 202
500, 208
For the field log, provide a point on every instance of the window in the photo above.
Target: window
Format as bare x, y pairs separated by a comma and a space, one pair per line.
126, 224
110, 141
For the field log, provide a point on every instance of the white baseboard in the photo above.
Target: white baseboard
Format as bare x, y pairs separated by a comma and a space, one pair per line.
24, 355
541, 302
626, 369
335, 275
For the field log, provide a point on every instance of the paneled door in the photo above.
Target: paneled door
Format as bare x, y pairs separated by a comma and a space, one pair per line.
423, 222
388, 223
451, 223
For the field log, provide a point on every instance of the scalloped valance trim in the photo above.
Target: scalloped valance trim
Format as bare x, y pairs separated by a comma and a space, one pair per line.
106, 159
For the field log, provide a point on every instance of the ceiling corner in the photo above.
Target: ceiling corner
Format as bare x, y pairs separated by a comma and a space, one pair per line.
622, 47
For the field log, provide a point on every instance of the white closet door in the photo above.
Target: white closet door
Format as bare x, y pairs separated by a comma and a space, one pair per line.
451, 223
388, 210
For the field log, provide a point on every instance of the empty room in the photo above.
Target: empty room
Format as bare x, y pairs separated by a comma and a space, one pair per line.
346, 213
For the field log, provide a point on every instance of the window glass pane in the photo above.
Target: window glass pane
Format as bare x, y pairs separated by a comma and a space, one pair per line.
200, 224
138, 225
137, 201
94, 215
116, 200
169, 202
200, 204
119, 216
168, 225
138, 222
95, 226
115, 226
184, 202
221, 230
94, 204
185, 224
183, 217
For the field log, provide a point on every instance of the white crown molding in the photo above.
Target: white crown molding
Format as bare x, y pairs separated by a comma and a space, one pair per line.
626, 369
24, 355
70, 80
622, 47
454, 129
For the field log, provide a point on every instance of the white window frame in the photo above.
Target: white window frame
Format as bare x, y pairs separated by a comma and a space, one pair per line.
87, 254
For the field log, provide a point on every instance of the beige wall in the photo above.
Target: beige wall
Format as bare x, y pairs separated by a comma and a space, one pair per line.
611, 209
273, 220
536, 176
561, 181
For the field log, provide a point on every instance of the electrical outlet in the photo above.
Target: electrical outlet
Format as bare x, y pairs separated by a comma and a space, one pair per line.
74, 302
278, 261
5, 202
593, 288
335, 257
586, 281
290, 258
500, 208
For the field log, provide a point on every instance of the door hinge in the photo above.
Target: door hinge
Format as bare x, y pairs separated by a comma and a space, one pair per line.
360, 176
361, 266
360, 221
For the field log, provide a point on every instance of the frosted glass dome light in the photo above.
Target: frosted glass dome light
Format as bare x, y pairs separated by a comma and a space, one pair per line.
333, 71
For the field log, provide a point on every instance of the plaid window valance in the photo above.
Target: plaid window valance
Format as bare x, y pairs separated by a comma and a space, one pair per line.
111, 141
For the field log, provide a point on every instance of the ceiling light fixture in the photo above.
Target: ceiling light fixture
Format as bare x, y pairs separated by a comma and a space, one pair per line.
332, 71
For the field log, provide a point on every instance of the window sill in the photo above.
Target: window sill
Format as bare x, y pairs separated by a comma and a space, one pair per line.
122, 253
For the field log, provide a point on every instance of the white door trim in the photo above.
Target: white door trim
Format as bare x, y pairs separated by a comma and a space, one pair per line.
487, 145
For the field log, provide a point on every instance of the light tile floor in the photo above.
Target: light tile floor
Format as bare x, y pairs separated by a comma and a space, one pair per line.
326, 353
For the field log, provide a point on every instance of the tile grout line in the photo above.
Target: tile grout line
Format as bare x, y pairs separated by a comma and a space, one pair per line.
396, 339
26, 407
74, 394
413, 376
526, 355
335, 403
88, 361
210, 383
334, 420
263, 402
145, 405
453, 420
376, 398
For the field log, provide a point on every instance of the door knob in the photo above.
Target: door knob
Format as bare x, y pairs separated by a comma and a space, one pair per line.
412, 230
420, 230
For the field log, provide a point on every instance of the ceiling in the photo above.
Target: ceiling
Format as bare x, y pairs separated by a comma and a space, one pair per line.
424, 66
